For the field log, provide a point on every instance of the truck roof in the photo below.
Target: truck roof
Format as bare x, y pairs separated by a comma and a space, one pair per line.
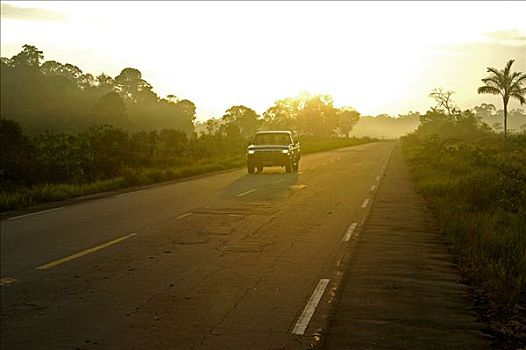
274, 132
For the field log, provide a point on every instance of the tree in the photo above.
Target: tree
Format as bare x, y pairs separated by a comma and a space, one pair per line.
29, 56
282, 115
507, 85
242, 118
105, 83
444, 100
347, 119
131, 85
317, 115
111, 109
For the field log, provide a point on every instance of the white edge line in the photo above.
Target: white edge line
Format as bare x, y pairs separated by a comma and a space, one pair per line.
246, 192
349, 232
36, 213
365, 203
307, 313
184, 215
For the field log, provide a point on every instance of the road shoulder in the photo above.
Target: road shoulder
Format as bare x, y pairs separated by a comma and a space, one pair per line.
402, 289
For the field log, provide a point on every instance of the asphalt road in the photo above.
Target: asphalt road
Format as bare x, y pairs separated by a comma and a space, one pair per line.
227, 261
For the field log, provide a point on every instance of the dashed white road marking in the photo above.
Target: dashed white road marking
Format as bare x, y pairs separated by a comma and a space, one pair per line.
349, 232
278, 181
307, 313
365, 203
82, 253
378, 178
299, 172
183, 215
36, 213
373, 187
246, 192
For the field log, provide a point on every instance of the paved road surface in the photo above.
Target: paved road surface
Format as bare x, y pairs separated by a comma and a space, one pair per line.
228, 261
401, 288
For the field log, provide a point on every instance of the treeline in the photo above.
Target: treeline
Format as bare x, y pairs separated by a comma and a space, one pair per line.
100, 153
61, 125
56, 97
384, 126
52, 96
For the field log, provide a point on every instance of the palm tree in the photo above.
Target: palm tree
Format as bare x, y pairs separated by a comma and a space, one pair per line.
501, 82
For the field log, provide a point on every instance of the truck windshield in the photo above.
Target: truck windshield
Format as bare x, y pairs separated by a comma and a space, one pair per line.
272, 139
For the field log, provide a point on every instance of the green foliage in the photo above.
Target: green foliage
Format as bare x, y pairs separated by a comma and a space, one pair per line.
47, 166
476, 184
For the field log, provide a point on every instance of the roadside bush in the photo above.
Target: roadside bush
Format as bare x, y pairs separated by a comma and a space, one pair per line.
476, 185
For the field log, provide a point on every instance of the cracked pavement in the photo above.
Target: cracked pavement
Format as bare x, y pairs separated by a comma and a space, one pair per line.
207, 269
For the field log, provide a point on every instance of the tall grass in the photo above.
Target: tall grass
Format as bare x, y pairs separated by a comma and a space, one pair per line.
477, 189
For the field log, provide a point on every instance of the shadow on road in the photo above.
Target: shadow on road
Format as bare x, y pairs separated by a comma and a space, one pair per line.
272, 179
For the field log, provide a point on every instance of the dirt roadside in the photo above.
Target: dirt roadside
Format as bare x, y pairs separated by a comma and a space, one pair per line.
402, 289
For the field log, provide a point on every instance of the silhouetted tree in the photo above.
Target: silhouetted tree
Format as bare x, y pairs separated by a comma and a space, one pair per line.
131, 85
347, 119
444, 100
507, 85
29, 56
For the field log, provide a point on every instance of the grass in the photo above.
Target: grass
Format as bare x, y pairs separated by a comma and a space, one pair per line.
23, 197
477, 190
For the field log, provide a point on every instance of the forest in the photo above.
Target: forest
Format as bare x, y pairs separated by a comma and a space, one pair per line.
60, 125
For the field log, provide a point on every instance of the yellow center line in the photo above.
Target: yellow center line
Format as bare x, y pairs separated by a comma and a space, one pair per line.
82, 253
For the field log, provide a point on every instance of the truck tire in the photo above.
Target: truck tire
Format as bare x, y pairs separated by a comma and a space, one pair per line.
288, 167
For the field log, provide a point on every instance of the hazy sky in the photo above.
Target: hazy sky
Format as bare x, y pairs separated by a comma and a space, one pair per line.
379, 57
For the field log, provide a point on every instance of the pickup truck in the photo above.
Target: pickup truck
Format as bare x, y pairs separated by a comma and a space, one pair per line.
273, 148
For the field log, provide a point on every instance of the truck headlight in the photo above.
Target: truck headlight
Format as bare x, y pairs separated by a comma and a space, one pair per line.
251, 151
